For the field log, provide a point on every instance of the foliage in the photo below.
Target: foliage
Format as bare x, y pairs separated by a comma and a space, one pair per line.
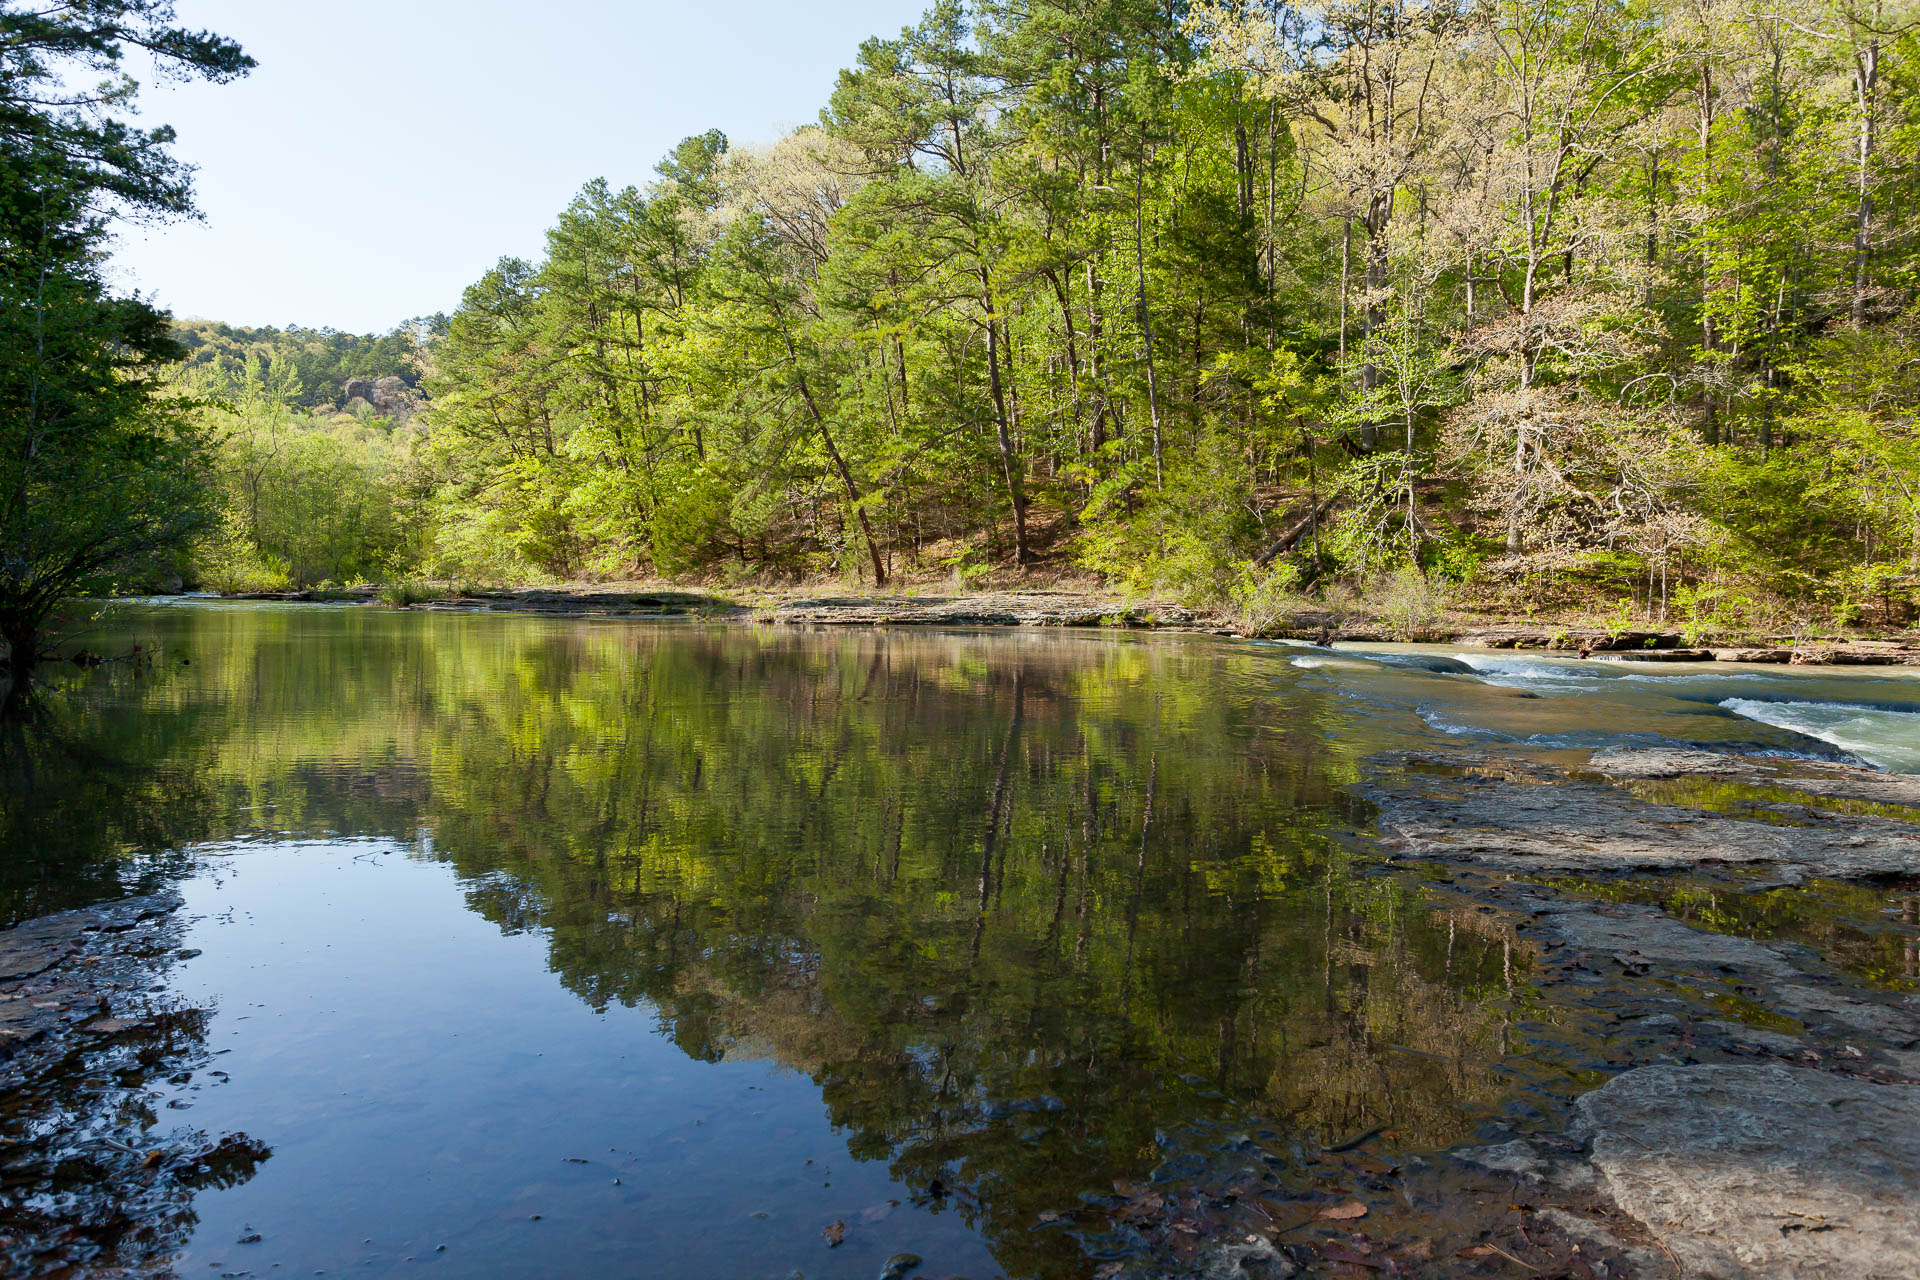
1411, 604
1557, 302
99, 474
308, 367
307, 497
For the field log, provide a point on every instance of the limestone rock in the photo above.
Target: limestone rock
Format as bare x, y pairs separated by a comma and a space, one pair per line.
1776, 1171
1839, 781
1518, 815
394, 398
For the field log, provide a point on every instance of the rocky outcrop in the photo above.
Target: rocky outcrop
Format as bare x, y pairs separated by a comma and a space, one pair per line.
1524, 816
388, 396
59, 974
1837, 781
1740, 1171
1669, 646
1764, 1170
1002, 609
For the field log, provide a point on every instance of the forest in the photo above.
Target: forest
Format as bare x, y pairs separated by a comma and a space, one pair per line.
1562, 305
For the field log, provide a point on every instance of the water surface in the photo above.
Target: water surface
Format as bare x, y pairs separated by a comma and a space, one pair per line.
556, 948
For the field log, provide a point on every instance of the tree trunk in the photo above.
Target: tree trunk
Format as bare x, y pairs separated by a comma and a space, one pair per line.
839, 464
1866, 80
1146, 319
23, 647
1009, 461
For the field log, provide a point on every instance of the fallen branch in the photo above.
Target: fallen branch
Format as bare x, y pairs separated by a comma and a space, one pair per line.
1294, 533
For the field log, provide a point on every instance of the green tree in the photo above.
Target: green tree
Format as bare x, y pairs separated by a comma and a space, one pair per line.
97, 474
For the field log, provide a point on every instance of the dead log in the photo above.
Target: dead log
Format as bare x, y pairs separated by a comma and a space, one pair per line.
1294, 533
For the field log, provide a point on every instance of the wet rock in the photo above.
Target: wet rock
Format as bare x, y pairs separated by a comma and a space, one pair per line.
1591, 641
1763, 1170
1437, 663
1859, 654
1656, 655
1662, 762
1533, 1162
1755, 1039
1835, 780
1246, 1259
57, 970
1595, 1237
1522, 816
899, 1265
1650, 942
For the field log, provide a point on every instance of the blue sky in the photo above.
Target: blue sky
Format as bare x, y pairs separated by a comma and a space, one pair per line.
385, 154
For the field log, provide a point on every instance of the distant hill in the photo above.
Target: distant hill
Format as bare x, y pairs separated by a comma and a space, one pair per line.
349, 372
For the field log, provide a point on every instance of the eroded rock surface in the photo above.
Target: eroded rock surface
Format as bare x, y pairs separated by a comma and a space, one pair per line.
1872, 1031
61, 971
1836, 781
1764, 1170
1521, 815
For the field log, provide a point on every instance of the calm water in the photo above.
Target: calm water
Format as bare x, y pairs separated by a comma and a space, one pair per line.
657, 949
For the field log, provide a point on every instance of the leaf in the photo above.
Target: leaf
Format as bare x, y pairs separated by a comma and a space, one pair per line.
1342, 1212
835, 1232
1352, 1257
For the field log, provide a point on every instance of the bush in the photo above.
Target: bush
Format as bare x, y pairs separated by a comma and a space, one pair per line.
1262, 600
227, 561
1412, 605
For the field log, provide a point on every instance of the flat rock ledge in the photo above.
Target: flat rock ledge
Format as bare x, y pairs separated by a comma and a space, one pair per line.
1764, 1170
1006, 609
1520, 815
1742, 1171
60, 973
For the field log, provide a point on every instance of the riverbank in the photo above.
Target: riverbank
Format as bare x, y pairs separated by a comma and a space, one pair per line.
1081, 607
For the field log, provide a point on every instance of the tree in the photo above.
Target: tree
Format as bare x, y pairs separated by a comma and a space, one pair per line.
97, 472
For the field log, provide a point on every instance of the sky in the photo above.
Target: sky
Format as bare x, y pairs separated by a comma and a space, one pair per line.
387, 152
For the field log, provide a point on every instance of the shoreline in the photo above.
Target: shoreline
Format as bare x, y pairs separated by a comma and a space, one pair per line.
1042, 607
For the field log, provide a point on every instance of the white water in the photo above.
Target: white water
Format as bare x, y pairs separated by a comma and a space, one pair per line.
1549, 701
1889, 739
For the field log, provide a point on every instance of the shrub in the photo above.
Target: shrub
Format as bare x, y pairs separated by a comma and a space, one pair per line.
1412, 605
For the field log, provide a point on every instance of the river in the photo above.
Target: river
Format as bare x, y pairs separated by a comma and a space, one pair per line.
534, 947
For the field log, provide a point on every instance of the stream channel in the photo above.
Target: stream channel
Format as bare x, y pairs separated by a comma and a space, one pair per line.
508, 946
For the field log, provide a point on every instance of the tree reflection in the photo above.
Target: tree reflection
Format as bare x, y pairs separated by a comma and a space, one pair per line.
1035, 915
96, 798
1038, 914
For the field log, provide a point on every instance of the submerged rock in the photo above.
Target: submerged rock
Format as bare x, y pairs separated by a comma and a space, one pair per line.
1763, 1170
